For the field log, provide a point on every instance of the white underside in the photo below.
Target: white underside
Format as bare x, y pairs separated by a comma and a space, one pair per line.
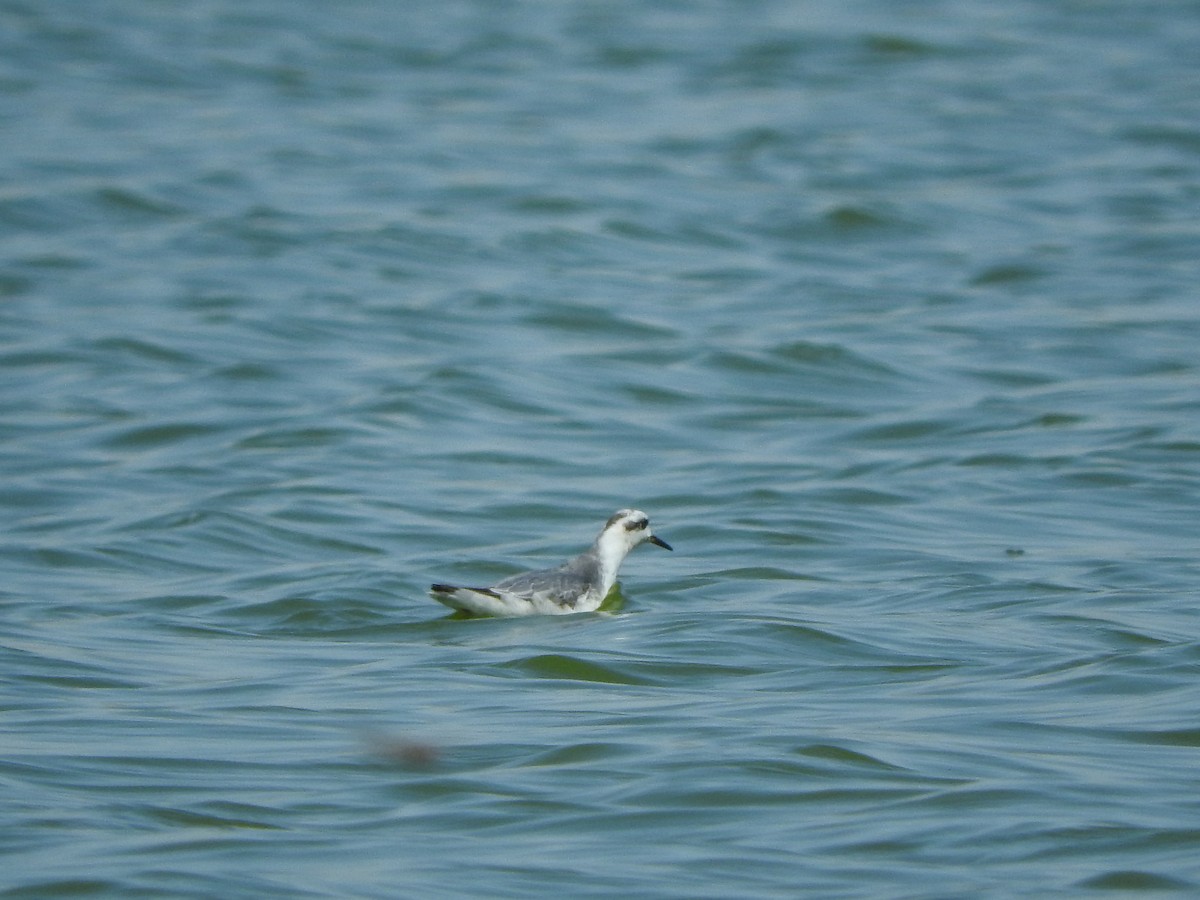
509, 605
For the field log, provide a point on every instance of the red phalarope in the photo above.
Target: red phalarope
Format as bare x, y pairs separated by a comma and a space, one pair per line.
578, 585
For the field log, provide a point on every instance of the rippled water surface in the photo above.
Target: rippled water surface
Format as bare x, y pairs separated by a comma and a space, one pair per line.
887, 313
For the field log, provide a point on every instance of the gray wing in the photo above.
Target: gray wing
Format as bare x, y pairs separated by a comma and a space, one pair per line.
561, 585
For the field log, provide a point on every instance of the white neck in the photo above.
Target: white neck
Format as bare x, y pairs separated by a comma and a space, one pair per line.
611, 548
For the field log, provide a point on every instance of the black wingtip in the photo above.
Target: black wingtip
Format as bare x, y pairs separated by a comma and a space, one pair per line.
451, 588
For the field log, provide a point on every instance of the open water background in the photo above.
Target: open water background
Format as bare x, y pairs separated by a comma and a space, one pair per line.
887, 313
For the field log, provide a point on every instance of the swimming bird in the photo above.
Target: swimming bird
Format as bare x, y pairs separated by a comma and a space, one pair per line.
578, 585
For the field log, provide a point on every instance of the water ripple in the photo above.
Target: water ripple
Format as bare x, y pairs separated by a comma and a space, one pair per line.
303, 312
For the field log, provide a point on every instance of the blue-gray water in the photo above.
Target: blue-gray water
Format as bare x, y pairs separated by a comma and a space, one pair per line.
887, 313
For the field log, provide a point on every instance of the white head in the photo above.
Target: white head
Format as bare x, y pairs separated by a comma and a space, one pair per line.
627, 528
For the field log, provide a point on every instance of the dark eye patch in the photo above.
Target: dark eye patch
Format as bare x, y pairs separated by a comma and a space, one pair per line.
636, 524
